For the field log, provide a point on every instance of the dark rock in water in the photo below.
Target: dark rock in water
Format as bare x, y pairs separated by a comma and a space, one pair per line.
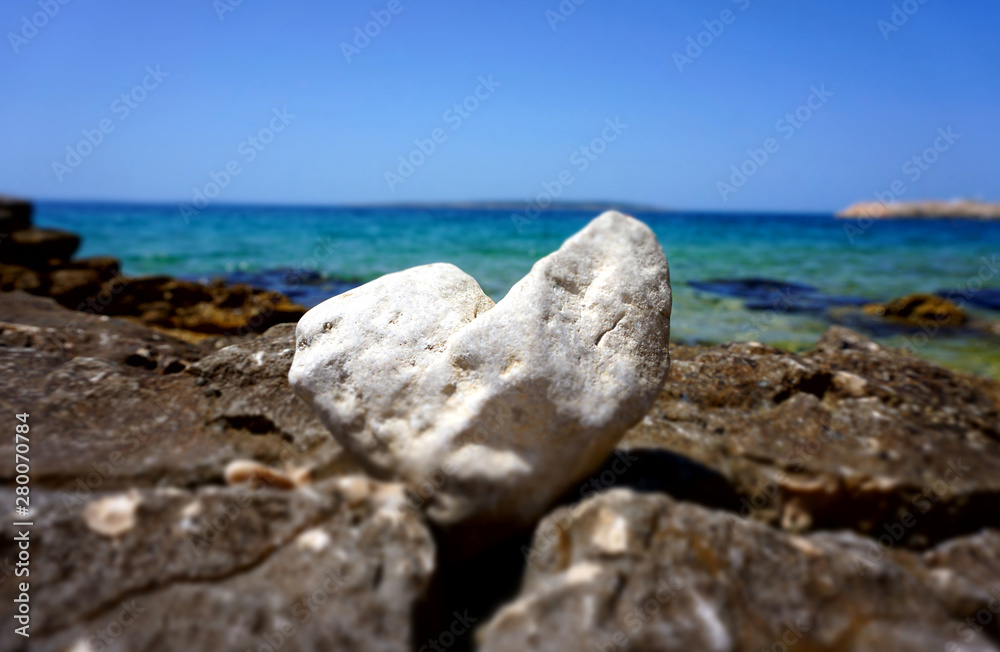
307, 288
15, 215
647, 574
849, 435
986, 298
195, 311
920, 310
75, 282
767, 294
759, 289
38, 248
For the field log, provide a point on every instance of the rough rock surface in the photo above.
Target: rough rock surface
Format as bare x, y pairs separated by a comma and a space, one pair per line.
132, 407
645, 573
847, 435
494, 410
335, 566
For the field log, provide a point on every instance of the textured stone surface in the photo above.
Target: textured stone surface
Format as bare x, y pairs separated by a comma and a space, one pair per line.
496, 410
125, 412
626, 571
336, 566
847, 435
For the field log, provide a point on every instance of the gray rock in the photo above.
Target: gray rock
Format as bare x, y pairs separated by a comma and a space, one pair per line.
626, 571
337, 566
110, 390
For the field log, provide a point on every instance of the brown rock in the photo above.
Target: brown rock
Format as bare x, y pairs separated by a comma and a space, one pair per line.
37, 248
920, 310
848, 435
16, 277
15, 215
215, 309
645, 573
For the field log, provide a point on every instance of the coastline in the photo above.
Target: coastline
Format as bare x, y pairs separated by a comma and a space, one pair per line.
956, 209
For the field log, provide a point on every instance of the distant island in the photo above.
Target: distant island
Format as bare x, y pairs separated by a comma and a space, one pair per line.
521, 205
961, 208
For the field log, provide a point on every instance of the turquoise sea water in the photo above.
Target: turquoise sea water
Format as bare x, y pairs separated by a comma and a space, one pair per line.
880, 260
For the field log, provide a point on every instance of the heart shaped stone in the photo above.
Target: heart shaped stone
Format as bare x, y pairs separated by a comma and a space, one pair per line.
491, 412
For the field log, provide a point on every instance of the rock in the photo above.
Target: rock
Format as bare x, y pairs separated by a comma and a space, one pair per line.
126, 418
306, 288
491, 412
339, 566
920, 310
15, 215
646, 573
36, 248
200, 310
17, 277
849, 435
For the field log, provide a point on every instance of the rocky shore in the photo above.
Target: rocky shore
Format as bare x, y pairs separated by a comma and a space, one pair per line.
184, 497
851, 491
960, 208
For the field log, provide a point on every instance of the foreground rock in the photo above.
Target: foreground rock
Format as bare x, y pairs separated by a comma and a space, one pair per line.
848, 435
929, 209
490, 413
131, 407
339, 566
644, 573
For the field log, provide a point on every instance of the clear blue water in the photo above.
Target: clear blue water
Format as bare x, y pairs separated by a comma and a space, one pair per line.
885, 260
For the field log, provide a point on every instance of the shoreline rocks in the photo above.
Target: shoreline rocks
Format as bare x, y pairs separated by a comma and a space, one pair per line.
500, 408
141, 428
38, 261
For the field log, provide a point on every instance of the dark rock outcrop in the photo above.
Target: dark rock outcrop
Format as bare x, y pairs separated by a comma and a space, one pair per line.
15, 215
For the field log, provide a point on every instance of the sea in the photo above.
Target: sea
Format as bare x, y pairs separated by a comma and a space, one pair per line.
779, 279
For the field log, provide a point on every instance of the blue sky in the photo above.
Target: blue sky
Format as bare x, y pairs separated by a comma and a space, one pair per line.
553, 86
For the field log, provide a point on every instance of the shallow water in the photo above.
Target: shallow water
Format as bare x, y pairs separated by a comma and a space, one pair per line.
352, 245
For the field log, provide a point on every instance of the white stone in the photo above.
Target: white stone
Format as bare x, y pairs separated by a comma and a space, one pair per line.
487, 412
